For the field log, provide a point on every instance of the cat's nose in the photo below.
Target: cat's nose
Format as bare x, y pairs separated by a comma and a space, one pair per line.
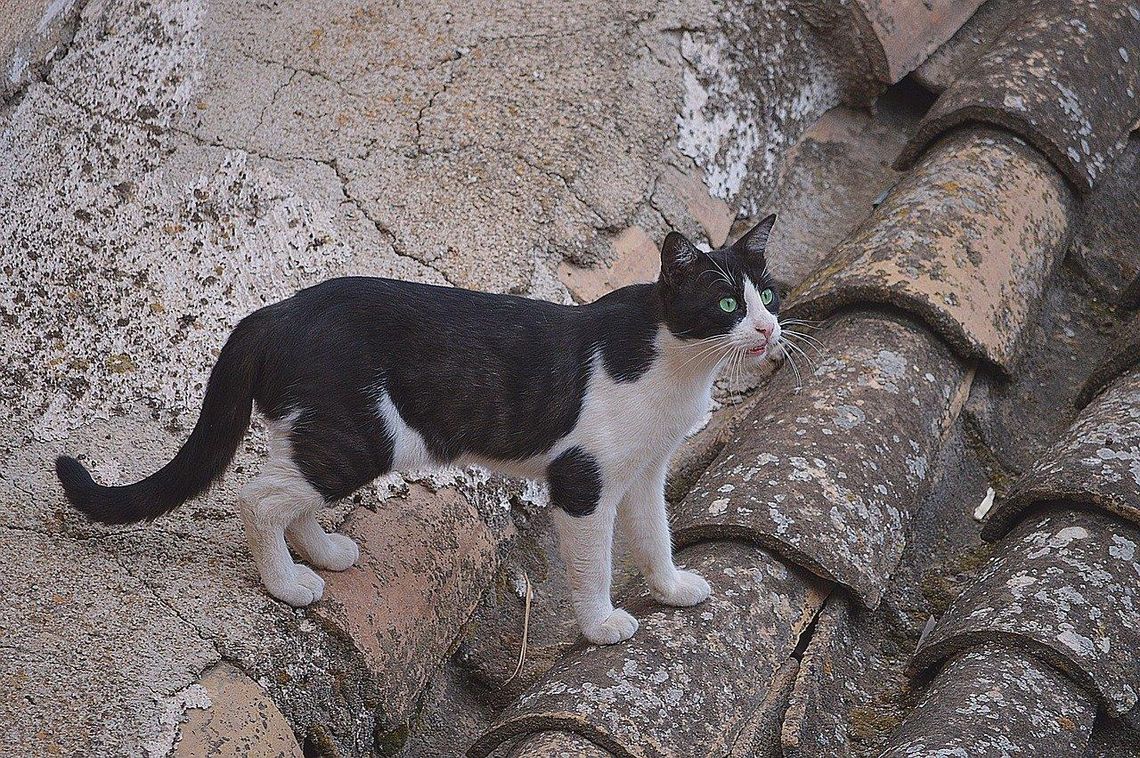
765, 330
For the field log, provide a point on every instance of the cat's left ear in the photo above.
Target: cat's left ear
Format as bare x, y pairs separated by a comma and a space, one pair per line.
752, 245
677, 254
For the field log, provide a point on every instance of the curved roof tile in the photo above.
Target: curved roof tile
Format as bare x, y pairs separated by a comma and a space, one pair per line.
653, 695
966, 241
994, 701
1097, 462
1063, 588
1066, 78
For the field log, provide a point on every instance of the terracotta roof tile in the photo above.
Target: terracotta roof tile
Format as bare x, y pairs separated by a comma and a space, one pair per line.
1018, 417
829, 183
815, 723
239, 721
424, 562
994, 701
1066, 77
761, 734
827, 474
1062, 587
968, 44
965, 241
883, 40
1097, 462
652, 695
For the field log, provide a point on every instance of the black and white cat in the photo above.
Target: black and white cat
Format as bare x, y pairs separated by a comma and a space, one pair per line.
359, 376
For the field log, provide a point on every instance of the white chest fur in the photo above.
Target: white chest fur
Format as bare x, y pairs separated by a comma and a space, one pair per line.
628, 424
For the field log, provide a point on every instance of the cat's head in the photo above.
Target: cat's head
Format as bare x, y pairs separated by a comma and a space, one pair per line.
723, 296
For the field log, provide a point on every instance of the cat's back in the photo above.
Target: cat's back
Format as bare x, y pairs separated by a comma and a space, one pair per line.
379, 301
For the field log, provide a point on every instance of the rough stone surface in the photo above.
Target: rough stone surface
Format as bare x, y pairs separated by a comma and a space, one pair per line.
652, 695
34, 34
197, 562
828, 474
1106, 243
1062, 587
425, 561
1096, 462
636, 260
236, 719
829, 183
992, 701
1064, 76
58, 617
966, 241
969, 43
884, 40
558, 745
687, 189
751, 87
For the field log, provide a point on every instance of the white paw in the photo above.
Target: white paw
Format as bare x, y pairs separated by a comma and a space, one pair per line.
682, 590
305, 587
619, 626
339, 553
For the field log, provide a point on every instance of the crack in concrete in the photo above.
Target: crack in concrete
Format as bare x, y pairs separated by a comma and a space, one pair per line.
270, 104
42, 72
387, 233
197, 139
448, 79
205, 636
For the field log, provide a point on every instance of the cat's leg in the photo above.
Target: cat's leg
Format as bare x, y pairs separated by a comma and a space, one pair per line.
269, 504
332, 551
584, 518
645, 525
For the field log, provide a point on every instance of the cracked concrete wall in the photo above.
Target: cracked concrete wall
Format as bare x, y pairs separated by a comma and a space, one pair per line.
179, 163
33, 35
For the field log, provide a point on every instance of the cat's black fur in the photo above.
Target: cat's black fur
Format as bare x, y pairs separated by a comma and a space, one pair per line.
497, 376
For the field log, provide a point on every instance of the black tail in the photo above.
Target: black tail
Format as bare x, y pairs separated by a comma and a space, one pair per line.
220, 428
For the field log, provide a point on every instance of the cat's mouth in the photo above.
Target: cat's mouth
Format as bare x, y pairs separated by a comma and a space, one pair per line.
770, 350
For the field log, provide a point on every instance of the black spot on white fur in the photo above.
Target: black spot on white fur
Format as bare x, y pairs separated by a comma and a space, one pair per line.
575, 482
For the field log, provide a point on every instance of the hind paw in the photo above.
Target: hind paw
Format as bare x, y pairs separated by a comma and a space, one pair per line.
304, 587
337, 554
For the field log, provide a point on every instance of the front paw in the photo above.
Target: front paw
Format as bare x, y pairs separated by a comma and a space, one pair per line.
619, 626
681, 590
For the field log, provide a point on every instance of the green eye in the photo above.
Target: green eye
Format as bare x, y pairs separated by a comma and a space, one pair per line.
728, 304
766, 296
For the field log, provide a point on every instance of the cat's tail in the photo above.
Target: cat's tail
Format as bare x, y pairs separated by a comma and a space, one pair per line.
221, 425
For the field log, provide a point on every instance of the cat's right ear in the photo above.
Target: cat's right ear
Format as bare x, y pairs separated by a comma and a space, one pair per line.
677, 255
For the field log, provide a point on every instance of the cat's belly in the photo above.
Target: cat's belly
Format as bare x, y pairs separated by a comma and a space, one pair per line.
529, 468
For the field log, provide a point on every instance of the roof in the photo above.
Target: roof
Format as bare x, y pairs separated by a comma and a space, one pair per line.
924, 543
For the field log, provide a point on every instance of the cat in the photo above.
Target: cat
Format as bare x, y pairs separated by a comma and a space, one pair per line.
360, 376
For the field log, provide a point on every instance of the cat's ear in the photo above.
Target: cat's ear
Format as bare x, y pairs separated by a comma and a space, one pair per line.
752, 245
677, 254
